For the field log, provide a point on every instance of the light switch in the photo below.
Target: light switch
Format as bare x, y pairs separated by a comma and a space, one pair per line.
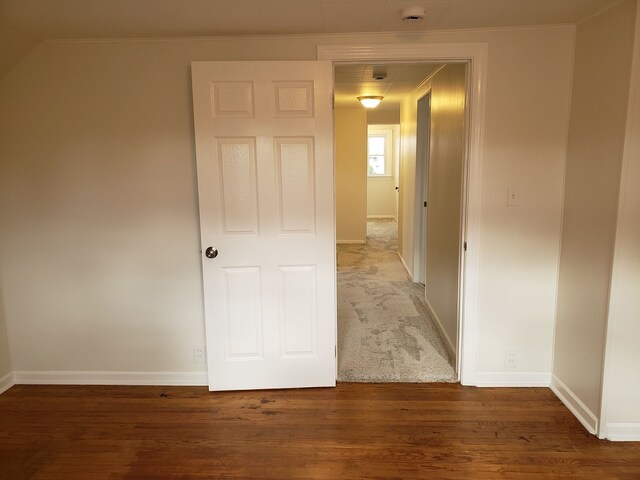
513, 196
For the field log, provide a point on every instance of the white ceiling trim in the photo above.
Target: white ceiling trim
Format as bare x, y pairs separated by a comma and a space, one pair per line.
389, 53
416, 36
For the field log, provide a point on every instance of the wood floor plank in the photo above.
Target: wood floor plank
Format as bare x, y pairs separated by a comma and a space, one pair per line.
354, 431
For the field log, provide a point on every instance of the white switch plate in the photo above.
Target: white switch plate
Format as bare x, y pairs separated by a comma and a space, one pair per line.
513, 196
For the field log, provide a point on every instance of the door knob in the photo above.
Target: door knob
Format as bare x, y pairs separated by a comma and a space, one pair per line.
211, 252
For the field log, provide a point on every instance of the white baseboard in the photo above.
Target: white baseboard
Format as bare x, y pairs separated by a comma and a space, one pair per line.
351, 242
448, 343
575, 405
622, 432
375, 217
6, 382
512, 379
111, 378
405, 266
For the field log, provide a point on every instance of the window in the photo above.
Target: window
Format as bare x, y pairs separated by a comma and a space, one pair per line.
376, 150
380, 150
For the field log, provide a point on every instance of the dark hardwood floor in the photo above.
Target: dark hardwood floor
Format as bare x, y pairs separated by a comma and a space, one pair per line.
355, 431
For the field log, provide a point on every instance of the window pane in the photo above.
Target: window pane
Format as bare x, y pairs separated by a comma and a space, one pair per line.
375, 152
376, 145
376, 165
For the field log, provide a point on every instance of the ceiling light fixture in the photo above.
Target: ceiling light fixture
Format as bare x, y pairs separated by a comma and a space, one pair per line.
413, 14
370, 101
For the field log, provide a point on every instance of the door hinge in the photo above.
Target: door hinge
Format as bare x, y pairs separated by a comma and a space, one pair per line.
335, 351
425, 204
465, 246
333, 101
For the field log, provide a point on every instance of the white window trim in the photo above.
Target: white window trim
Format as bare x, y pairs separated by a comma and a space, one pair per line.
387, 132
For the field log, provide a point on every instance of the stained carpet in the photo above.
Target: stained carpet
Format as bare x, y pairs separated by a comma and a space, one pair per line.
385, 333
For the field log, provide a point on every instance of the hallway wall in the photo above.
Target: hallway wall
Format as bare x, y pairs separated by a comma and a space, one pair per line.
388, 116
444, 201
446, 161
351, 174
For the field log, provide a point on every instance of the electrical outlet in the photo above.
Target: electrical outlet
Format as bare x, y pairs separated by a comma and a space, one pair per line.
511, 358
199, 354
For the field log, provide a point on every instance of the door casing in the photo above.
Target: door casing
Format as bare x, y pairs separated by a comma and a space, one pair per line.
476, 55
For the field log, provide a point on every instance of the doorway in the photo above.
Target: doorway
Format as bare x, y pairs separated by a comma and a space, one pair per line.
423, 141
476, 56
385, 320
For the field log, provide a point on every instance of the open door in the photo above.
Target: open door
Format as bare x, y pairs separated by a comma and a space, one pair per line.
264, 147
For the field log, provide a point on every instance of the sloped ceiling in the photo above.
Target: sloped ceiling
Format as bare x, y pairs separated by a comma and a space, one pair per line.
13, 47
24, 22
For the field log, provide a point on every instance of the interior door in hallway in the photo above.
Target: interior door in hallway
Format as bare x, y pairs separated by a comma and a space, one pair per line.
264, 148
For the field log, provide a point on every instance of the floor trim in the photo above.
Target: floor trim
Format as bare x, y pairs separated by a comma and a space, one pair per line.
512, 379
351, 242
404, 264
447, 341
575, 405
622, 432
111, 378
6, 382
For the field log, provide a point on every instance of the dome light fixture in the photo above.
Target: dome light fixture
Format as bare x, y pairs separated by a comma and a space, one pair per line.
370, 101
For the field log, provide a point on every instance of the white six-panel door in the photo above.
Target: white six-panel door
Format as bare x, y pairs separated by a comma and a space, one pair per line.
264, 149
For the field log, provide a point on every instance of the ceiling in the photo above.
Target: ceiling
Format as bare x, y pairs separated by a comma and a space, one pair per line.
56, 19
352, 81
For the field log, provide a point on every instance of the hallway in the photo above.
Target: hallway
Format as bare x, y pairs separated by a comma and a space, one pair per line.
384, 331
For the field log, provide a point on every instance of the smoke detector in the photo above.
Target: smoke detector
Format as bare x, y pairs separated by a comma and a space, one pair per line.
379, 73
413, 14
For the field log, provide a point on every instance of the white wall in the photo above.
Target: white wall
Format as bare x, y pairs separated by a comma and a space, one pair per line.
527, 113
99, 248
98, 207
596, 137
621, 396
351, 174
381, 197
384, 116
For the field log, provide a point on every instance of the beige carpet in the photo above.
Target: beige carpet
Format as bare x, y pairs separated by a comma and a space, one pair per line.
384, 331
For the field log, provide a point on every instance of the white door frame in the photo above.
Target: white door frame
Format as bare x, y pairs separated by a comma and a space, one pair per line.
476, 54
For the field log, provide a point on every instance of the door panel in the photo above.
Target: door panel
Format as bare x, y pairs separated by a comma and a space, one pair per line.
264, 147
239, 186
295, 167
